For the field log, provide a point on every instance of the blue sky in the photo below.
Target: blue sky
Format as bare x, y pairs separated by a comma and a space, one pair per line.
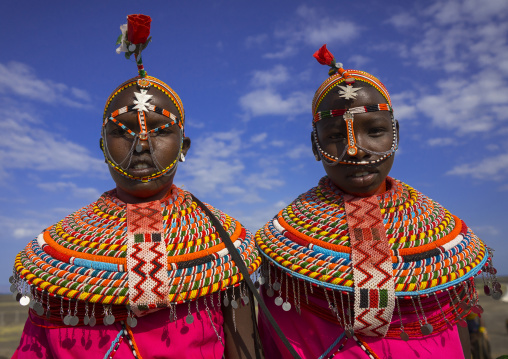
246, 76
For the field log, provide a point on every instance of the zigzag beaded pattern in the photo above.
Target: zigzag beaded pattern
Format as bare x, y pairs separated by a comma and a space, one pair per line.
371, 265
83, 256
430, 247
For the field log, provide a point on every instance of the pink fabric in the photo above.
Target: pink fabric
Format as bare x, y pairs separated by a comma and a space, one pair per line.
155, 336
311, 336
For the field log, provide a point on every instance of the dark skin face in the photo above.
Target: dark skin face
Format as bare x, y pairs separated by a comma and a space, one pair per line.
373, 130
166, 146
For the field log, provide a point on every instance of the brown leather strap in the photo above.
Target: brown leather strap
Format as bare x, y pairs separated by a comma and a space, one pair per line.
246, 276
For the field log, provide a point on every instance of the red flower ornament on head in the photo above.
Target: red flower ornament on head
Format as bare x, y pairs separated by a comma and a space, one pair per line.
324, 56
138, 28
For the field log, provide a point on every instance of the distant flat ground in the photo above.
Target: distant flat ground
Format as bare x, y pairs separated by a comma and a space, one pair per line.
13, 316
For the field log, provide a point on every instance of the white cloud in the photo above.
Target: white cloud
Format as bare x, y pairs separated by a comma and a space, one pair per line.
300, 151
463, 45
277, 75
216, 166
19, 79
402, 21
259, 137
29, 146
494, 168
314, 28
256, 40
441, 141
358, 61
72, 188
269, 102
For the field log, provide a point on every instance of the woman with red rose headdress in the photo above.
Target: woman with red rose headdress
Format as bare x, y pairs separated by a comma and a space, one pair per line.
147, 270
363, 265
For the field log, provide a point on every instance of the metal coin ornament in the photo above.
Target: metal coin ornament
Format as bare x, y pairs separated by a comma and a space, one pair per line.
245, 300
256, 284
189, 319
478, 309
261, 280
86, 320
497, 295
32, 303
11, 279
139, 148
349, 333
12, 288
111, 319
225, 301
234, 304
39, 309
24, 300
276, 286
105, 320
426, 329
67, 319
74, 320
286, 306
92, 322
132, 322
278, 301
17, 296
404, 336
270, 292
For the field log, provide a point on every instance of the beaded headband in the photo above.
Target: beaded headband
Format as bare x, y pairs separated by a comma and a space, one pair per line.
133, 40
337, 76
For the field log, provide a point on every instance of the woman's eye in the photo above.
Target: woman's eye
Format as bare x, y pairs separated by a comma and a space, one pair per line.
336, 136
118, 132
164, 132
377, 131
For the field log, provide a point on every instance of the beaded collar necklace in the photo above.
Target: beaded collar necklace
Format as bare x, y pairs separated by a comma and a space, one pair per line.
88, 265
432, 257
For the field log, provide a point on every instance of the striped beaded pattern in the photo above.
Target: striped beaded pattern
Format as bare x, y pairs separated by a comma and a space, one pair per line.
337, 79
158, 84
84, 256
431, 250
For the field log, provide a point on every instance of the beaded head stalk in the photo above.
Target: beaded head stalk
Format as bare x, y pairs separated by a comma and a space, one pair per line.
350, 83
133, 40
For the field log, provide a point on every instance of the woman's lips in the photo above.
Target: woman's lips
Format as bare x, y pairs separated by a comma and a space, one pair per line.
362, 178
142, 169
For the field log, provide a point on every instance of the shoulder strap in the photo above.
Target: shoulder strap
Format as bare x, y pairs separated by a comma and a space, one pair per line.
246, 276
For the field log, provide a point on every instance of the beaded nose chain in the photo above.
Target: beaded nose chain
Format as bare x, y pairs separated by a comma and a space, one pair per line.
142, 106
352, 146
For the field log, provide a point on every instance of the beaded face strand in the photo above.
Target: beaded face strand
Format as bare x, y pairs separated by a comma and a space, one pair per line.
352, 146
142, 107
